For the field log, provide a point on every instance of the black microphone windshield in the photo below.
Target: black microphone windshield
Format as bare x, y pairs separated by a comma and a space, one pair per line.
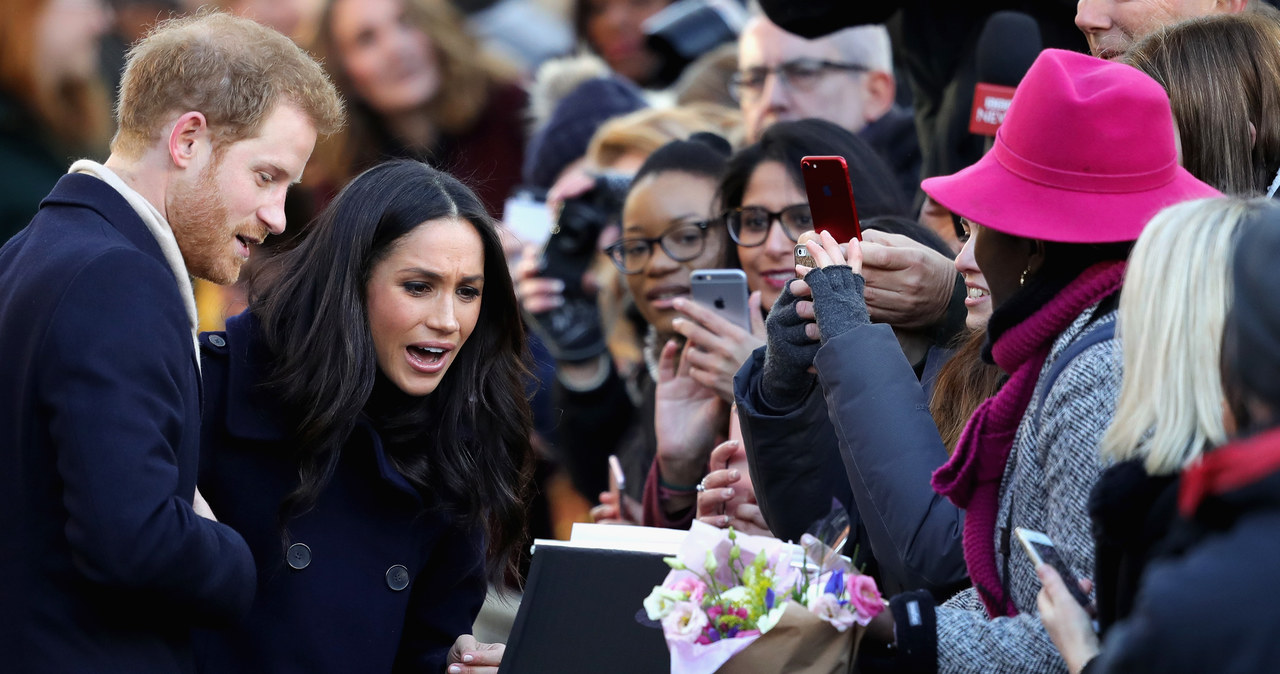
1007, 46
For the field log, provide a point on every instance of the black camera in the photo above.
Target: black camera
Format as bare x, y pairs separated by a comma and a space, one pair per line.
572, 245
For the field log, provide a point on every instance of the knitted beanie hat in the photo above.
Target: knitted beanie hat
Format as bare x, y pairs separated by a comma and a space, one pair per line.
565, 136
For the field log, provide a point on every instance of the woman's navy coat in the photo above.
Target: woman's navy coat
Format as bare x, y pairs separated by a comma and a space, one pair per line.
370, 580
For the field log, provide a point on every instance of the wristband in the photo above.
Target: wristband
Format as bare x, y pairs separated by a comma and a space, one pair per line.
675, 488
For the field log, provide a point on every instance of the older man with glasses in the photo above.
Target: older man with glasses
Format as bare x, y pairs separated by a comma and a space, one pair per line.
845, 78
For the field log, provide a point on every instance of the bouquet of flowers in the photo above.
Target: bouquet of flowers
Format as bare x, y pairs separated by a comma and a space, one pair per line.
727, 591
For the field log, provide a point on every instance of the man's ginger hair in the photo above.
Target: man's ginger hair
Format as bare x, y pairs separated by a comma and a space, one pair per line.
232, 70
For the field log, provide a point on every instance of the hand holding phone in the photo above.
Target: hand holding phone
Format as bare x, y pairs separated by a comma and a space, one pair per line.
826, 182
1041, 550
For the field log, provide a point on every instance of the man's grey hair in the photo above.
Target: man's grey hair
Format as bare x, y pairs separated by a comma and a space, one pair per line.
867, 45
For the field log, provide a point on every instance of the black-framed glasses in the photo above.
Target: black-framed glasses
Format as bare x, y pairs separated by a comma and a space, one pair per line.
749, 225
681, 243
799, 74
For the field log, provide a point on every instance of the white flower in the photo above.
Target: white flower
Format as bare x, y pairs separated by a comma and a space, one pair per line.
827, 607
684, 622
660, 602
768, 620
736, 594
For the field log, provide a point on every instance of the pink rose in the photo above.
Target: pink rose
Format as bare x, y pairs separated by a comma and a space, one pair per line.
692, 587
827, 607
685, 622
865, 598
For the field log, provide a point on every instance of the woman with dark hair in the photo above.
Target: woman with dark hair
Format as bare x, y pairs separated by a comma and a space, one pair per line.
366, 430
761, 187
659, 433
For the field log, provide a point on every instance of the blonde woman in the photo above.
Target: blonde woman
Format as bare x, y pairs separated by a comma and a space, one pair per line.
1170, 410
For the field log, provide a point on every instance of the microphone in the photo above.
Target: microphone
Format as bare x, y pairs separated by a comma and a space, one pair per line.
1007, 46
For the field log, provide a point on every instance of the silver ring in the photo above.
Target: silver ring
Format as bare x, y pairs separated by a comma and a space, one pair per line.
701, 487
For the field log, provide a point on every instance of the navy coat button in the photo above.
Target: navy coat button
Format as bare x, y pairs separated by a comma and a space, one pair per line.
299, 556
397, 577
219, 342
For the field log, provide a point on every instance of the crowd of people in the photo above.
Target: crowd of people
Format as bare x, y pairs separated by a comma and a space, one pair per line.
343, 302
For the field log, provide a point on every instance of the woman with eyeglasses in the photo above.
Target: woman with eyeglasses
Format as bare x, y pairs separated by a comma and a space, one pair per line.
669, 229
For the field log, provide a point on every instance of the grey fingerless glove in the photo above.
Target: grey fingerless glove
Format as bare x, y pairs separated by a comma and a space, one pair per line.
788, 354
838, 301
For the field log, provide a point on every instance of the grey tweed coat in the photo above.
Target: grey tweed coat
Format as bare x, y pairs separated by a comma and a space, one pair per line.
1052, 467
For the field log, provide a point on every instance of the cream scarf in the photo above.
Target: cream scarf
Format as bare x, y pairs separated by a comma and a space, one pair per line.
159, 229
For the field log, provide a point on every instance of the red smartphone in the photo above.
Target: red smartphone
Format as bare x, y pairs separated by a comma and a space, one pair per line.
826, 181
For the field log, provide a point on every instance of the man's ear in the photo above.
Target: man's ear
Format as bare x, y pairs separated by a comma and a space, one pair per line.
882, 91
189, 140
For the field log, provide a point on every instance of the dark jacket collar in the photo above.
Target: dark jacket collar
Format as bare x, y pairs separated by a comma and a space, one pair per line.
254, 412
85, 191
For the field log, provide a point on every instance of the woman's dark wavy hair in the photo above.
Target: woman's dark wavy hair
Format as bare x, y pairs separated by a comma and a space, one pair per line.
875, 189
466, 449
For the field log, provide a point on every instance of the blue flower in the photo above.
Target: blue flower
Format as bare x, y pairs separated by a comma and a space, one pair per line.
768, 599
835, 584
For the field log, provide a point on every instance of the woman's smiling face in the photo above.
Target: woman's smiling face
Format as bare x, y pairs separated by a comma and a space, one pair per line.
656, 204
771, 265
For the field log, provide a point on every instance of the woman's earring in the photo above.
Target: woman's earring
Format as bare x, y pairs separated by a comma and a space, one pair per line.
1022, 280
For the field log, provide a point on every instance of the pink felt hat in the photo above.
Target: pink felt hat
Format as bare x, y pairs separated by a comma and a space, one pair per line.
1087, 154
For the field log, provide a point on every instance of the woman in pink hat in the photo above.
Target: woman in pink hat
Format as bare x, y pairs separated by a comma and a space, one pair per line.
1087, 154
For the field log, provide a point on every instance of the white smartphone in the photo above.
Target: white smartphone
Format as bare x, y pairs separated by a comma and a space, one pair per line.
1041, 550
724, 291
617, 480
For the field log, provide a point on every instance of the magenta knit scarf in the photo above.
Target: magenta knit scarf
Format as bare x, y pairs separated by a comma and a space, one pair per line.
971, 478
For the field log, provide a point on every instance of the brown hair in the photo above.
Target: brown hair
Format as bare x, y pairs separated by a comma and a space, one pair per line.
231, 69
964, 382
76, 113
467, 75
1221, 73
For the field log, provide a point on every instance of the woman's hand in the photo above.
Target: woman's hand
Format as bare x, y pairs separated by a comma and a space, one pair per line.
1068, 624
469, 656
536, 294
834, 289
727, 499
609, 512
719, 347
688, 417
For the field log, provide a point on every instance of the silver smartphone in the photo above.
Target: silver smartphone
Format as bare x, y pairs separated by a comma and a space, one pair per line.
724, 291
1041, 550
803, 257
